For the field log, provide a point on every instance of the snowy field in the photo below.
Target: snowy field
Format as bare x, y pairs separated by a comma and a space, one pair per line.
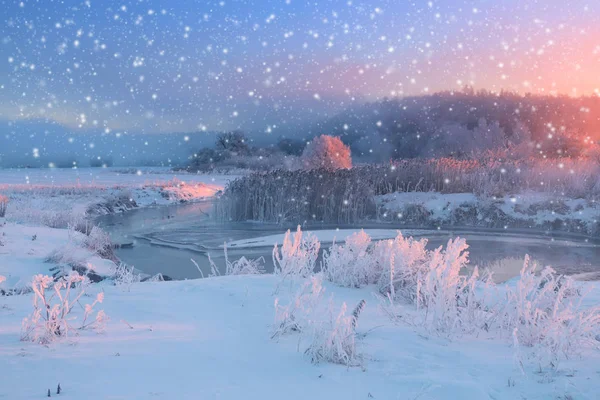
56, 197
101, 176
211, 339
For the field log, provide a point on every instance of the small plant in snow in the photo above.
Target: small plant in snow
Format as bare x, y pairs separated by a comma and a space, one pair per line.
297, 256
100, 243
3, 205
432, 281
351, 264
124, 276
445, 294
400, 262
243, 266
53, 306
295, 316
544, 312
334, 340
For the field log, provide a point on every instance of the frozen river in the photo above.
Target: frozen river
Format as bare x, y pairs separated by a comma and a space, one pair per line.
164, 239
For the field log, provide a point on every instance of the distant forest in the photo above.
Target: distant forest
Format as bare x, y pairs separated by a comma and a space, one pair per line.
466, 122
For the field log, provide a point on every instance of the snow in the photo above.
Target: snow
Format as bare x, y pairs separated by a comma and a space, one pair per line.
42, 200
107, 177
24, 250
538, 209
49, 196
210, 339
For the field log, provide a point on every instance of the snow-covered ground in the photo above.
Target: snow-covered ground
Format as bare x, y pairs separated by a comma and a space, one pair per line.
213, 338
210, 339
55, 197
526, 210
24, 252
43, 203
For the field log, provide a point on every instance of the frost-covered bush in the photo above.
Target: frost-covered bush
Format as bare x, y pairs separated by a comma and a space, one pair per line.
69, 254
333, 339
330, 337
3, 205
243, 266
434, 283
124, 276
359, 262
447, 296
295, 316
100, 243
54, 304
400, 261
297, 256
544, 312
327, 152
351, 264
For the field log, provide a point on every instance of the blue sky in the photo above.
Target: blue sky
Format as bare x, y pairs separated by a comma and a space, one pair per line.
188, 65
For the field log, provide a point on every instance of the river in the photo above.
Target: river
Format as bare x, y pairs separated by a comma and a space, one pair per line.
164, 239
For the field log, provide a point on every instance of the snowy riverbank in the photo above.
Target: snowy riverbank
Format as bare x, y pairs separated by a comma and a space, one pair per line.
46, 228
57, 197
535, 211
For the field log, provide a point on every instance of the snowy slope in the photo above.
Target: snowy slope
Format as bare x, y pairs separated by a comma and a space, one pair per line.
210, 339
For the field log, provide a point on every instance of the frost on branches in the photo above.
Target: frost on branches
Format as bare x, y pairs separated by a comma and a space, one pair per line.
351, 264
328, 152
544, 312
241, 266
297, 256
334, 339
331, 336
54, 306
296, 315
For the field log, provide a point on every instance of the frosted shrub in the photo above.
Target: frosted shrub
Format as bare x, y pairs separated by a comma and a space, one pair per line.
124, 276
351, 264
53, 309
100, 243
297, 256
3, 205
544, 312
432, 281
442, 291
69, 254
401, 261
327, 152
334, 339
296, 315
243, 266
